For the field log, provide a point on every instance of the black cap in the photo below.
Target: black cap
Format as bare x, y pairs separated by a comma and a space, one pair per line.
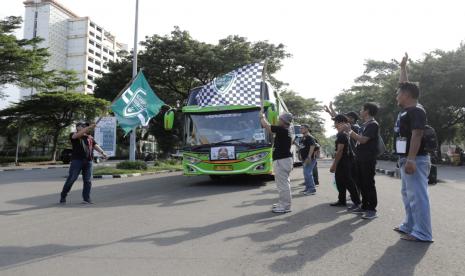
340, 118
82, 124
353, 115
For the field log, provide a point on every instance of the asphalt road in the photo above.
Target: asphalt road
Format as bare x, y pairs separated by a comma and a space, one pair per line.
174, 225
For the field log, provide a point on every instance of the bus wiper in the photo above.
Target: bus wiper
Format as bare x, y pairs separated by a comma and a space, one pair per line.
227, 141
217, 143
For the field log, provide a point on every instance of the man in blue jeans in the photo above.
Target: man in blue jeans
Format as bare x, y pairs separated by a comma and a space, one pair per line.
81, 160
307, 153
414, 161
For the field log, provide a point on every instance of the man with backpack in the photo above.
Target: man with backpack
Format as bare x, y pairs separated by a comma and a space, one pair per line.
414, 160
366, 151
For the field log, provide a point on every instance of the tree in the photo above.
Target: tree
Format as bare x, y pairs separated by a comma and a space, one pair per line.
66, 80
21, 60
176, 63
55, 111
305, 111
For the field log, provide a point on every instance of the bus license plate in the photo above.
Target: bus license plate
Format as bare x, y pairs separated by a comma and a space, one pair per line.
223, 168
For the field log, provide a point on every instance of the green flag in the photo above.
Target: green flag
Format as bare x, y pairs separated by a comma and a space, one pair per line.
136, 105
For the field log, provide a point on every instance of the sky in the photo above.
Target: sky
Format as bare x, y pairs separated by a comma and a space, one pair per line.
330, 40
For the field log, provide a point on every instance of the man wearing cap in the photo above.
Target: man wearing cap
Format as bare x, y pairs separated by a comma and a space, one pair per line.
81, 160
342, 164
282, 159
355, 127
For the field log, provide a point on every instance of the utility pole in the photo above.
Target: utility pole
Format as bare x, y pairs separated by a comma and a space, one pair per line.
132, 139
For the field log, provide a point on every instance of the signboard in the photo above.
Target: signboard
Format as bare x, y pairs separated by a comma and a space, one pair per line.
223, 153
105, 135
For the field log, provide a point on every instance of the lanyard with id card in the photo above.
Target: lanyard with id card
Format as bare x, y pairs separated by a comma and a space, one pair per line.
401, 145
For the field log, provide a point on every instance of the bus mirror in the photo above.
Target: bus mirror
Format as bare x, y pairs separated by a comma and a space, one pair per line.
272, 115
169, 120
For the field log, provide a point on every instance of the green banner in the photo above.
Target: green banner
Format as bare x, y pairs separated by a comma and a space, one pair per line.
136, 105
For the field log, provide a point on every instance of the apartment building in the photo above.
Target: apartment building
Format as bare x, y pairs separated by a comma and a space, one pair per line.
74, 42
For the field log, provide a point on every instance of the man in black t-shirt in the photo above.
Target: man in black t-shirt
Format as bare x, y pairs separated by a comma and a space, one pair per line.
282, 159
353, 121
81, 160
414, 161
307, 154
342, 164
365, 161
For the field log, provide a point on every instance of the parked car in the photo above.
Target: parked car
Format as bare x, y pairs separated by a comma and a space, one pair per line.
65, 156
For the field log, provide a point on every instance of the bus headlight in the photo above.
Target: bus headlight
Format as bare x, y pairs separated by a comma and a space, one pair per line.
191, 159
256, 157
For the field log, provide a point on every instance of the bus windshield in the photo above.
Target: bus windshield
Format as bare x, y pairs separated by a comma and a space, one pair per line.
234, 127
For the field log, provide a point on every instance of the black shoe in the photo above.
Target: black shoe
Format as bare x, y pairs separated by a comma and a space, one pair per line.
353, 207
338, 204
63, 200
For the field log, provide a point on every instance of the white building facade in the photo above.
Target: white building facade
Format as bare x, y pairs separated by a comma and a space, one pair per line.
74, 43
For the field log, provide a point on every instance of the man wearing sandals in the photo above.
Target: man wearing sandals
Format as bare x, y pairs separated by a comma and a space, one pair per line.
414, 161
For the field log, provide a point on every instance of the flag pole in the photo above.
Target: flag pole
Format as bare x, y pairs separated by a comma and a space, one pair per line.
132, 140
262, 87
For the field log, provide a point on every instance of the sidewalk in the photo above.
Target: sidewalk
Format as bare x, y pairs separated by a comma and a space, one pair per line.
453, 174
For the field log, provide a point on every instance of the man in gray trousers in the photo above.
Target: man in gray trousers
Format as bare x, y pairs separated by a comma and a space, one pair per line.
282, 159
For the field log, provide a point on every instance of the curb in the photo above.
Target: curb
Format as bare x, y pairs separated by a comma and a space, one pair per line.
7, 169
32, 169
396, 174
391, 173
109, 176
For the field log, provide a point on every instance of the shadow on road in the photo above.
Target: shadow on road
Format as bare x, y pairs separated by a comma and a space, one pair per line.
14, 255
309, 249
399, 259
166, 191
288, 224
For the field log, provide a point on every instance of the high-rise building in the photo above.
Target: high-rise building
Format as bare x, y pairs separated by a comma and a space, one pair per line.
74, 43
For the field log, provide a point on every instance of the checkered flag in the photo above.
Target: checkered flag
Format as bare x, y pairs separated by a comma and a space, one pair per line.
239, 87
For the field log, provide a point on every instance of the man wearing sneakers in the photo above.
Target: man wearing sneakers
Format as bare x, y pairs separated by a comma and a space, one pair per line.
81, 160
282, 159
307, 153
342, 164
365, 162
355, 127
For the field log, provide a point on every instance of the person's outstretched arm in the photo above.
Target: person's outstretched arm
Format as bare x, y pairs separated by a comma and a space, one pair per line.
265, 124
83, 131
330, 110
403, 69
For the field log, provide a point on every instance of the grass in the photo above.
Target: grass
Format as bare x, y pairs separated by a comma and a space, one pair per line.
162, 166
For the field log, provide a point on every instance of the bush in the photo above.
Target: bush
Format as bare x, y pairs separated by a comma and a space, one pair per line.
132, 165
172, 161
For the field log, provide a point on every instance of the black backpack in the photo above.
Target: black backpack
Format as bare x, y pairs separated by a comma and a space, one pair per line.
430, 139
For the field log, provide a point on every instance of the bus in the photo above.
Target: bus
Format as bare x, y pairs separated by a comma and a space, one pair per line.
227, 140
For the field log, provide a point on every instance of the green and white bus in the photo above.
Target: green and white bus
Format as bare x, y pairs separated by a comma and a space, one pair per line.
227, 140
